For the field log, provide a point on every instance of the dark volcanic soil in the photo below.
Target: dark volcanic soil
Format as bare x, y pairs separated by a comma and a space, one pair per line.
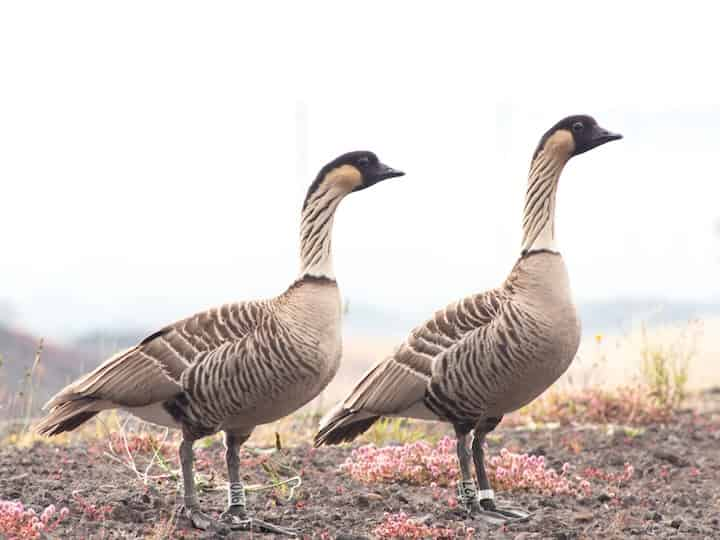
675, 492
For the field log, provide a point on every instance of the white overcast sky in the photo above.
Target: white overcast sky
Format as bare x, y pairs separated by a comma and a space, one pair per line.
154, 155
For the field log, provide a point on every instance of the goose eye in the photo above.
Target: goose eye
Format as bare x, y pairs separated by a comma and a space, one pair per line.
578, 127
363, 160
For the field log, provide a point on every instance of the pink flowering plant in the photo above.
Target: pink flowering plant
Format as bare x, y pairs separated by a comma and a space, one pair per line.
420, 463
18, 522
401, 526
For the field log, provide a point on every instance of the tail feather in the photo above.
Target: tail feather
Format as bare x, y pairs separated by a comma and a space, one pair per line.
68, 416
344, 426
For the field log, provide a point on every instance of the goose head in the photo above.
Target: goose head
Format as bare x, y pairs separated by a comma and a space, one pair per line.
351, 172
574, 135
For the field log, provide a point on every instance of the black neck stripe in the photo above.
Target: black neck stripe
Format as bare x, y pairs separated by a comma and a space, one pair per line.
530, 252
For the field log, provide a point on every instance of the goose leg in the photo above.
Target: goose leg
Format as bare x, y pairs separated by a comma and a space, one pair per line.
236, 516
191, 506
466, 488
237, 509
486, 495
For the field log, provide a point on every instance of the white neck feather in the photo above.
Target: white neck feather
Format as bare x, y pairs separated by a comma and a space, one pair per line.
316, 232
545, 240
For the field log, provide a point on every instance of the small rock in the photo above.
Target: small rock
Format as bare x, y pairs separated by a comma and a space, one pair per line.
630, 500
675, 523
604, 497
363, 501
427, 519
583, 517
375, 497
671, 458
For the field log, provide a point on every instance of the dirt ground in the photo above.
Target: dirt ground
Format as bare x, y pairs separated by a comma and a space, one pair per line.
674, 493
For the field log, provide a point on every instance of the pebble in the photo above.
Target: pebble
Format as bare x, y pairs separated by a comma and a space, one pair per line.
427, 519
630, 500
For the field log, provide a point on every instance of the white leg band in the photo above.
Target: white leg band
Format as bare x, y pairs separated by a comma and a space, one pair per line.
236, 494
484, 494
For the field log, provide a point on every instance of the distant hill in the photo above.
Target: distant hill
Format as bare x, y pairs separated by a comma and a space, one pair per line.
611, 316
101, 344
58, 364
614, 316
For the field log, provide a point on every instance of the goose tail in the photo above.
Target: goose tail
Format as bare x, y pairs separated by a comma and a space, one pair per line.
67, 416
343, 425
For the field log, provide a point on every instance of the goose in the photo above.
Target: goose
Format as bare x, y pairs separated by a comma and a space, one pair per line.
238, 365
490, 353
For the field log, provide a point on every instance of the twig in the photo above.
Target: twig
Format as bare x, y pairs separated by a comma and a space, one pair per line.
29, 397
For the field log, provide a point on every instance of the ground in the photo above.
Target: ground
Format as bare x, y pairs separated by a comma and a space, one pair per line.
673, 493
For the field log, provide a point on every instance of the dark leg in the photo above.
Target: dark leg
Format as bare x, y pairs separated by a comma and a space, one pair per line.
236, 515
466, 488
486, 495
191, 506
236, 491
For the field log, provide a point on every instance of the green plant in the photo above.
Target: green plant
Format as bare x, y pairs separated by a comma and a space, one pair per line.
399, 431
664, 368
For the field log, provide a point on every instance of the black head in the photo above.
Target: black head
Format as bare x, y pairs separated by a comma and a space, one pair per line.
355, 171
582, 130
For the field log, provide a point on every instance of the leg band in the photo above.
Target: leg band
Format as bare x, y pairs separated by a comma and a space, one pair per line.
466, 492
236, 494
484, 494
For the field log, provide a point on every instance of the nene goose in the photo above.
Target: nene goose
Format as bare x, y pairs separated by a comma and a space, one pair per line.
239, 365
490, 353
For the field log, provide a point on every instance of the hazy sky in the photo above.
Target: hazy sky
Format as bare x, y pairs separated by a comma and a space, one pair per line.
154, 155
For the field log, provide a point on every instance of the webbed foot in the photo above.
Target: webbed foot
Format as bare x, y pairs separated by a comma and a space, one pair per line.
481, 505
198, 519
246, 523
